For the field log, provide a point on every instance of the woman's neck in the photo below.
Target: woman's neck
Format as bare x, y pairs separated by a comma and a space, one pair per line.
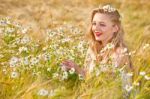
105, 42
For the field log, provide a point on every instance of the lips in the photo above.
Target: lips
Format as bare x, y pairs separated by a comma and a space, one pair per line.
98, 33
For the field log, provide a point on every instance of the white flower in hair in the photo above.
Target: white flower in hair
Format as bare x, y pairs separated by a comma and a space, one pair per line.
109, 8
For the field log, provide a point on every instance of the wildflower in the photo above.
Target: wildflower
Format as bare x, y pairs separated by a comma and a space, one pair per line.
72, 71
43, 92
142, 73
55, 75
124, 50
3, 22
130, 74
16, 24
13, 61
110, 46
136, 83
50, 33
34, 60
25, 61
97, 72
17, 41
9, 30
107, 47
65, 40
24, 30
80, 77
108, 8
22, 49
65, 75
14, 74
80, 45
46, 57
45, 48
4, 70
25, 40
147, 77
63, 67
49, 69
128, 88
146, 46
8, 20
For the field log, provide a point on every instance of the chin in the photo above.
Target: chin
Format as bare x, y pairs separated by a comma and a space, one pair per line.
98, 39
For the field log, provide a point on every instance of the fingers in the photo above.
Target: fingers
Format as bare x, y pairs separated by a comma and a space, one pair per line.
68, 62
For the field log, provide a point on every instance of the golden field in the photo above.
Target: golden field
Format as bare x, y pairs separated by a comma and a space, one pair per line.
36, 35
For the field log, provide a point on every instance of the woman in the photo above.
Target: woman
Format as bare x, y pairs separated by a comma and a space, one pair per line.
105, 43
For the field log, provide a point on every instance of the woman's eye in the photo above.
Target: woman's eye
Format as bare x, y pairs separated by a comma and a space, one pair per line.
102, 25
93, 23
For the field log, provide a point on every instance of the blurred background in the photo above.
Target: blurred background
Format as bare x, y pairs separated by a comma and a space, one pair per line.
43, 14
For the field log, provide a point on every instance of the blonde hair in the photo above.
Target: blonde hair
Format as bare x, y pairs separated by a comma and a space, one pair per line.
117, 39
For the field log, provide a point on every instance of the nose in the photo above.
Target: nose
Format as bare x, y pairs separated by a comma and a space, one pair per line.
97, 28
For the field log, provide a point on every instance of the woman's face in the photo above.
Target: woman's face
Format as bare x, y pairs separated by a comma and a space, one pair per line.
102, 27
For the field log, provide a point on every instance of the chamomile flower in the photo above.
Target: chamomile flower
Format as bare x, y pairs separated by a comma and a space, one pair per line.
80, 77
13, 61
65, 75
147, 77
25, 40
49, 69
55, 75
128, 88
43, 92
129, 74
25, 61
14, 74
136, 83
9, 30
23, 49
142, 73
146, 46
72, 71
34, 60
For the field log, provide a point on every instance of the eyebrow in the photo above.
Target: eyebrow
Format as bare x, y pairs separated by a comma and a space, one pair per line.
98, 22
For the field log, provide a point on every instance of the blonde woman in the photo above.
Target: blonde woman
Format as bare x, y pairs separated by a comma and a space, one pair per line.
106, 44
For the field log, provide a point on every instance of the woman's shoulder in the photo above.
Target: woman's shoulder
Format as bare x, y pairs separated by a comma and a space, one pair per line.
121, 56
121, 50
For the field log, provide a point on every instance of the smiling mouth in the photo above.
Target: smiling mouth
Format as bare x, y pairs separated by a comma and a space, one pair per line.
98, 33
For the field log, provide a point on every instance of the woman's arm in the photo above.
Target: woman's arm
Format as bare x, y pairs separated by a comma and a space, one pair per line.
68, 64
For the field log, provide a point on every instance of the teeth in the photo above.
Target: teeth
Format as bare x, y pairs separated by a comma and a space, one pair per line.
98, 32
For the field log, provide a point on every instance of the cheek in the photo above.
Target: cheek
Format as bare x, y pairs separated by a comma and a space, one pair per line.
106, 29
108, 33
93, 28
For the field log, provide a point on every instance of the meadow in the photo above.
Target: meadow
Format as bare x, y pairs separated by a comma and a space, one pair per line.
37, 35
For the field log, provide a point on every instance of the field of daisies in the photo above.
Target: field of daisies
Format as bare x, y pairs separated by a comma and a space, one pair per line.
36, 36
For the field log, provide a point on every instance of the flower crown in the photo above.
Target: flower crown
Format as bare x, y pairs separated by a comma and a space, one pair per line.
108, 8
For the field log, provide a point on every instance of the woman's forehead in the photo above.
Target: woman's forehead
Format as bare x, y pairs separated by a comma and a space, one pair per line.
99, 17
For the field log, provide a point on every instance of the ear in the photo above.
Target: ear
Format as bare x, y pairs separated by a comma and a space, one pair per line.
115, 28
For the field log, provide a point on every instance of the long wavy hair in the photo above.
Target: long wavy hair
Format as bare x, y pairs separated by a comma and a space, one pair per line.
117, 39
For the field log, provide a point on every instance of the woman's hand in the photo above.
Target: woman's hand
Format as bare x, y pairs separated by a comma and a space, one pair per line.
68, 64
